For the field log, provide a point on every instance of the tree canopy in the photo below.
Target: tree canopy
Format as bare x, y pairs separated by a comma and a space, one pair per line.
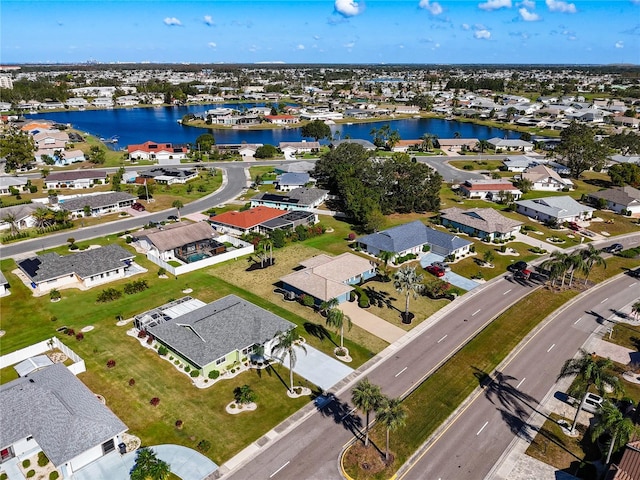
266, 151
17, 148
625, 174
204, 142
370, 188
580, 150
316, 129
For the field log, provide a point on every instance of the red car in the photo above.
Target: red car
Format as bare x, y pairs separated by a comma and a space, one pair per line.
435, 270
138, 206
574, 226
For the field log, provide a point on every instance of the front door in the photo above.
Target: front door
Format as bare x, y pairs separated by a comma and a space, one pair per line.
6, 454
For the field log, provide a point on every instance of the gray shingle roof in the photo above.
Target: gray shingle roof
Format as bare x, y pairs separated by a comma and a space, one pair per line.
293, 178
76, 175
621, 195
179, 234
96, 201
210, 332
20, 211
557, 207
298, 196
58, 410
483, 219
84, 264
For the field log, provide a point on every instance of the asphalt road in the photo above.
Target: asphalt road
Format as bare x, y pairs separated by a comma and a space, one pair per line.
469, 448
236, 182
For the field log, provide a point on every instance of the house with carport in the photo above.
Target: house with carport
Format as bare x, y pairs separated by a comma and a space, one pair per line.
98, 204
494, 190
554, 209
619, 199
219, 335
297, 199
325, 278
52, 411
546, 179
75, 179
485, 223
246, 221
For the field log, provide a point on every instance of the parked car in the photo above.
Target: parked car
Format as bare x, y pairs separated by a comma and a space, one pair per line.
437, 271
615, 248
592, 402
518, 266
634, 273
172, 218
442, 265
574, 226
522, 274
138, 207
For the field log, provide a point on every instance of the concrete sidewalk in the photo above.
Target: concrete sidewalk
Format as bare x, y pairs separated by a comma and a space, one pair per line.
534, 241
371, 323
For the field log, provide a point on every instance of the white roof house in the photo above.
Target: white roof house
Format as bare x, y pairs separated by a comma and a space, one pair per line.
554, 209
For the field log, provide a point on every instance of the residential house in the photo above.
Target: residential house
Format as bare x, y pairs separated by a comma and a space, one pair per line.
127, 101
281, 119
220, 334
366, 144
457, 144
77, 102
82, 270
405, 145
299, 147
52, 411
296, 167
289, 181
628, 468
297, 199
168, 175
188, 242
412, 238
494, 190
554, 209
630, 122
98, 204
510, 145
619, 199
68, 157
7, 183
4, 286
75, 179
519, 163
289, 221
102, 102
239, 223
485, 223
325, 278
47, 142
164, 153
625, 159
545, 179
22, 216
407, 109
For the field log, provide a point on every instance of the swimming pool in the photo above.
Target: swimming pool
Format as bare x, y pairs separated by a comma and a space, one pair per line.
196, 257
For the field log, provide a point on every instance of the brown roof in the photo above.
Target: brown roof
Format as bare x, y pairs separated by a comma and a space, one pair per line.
483, 219
489, 187
64, 176
629, 466
179, 234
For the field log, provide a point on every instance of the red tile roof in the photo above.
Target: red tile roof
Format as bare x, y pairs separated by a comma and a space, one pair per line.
249, 218
151, 147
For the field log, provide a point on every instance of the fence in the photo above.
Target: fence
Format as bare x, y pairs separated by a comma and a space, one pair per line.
18, 356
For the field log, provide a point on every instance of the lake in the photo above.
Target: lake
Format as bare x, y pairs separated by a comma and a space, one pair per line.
160, 124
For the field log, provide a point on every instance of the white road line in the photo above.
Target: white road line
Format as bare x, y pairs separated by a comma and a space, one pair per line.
348, 413
632, 285
442, 338
506, 292
278, 470
521, 382
577, 320
401, 372
604, 300
551, 347
474, 313
485, 424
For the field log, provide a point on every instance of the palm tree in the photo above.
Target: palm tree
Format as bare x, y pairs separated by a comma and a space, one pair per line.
366, 397
392, 414
428, 142
42, 216
635, 309
592, 257
557, 265
285, 346
610, 420
328, 305
524, 184
336, 318
149, 467
483, 145
408, 282
177, 204
575, 262
12, 220
589, 370
385, 256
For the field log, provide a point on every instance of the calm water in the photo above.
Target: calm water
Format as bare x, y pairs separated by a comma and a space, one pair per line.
160, 124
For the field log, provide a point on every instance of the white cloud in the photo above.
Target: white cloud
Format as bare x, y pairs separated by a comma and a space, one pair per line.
530, 4
208, 19
433, 8
300, 47
635, 2
620, 44
561, 6
172, 22
316, 37
212, 44
482, 34
348, 8
495, 4
465, 26
528, 16
349, 45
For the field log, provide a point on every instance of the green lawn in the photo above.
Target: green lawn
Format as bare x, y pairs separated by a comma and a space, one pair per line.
470, 266
476, 164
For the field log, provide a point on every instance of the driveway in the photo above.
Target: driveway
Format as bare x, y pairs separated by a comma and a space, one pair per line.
451, 277
318, 368
371, 323
186, 463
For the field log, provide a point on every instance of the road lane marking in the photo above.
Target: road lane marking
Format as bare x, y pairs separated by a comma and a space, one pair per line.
278, 470
521, 382
551, 347
477, 311
577, 320
485, 424
604, 300
506, 292
348, 413
400, 372
442, 338
632, 285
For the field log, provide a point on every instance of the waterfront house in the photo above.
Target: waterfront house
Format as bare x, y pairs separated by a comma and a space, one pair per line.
554, 209
98, 204
75, 179
457, 144
163, 153
297, 199
510, 145
485, 223
281, 119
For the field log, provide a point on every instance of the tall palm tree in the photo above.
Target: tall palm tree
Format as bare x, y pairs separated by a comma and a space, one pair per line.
177, 204
635, 309
575, 263
428, 142
557, 264
285, 346
392, 414
336, 318
589, 370
12, 220
408, 282
592, 257
385, 256
42, 216
366, 397
611, 420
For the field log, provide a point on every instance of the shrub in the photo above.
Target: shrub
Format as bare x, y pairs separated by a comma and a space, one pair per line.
142, 334
352, 237
187, 368
135, 287
630, 253
3, 476
177, 362
26, 463
149, 340
42, 459
213, 374
31, 473
204, 446
108, 295
54, 294
363, 300
195, 373
70, 331
163, 350
307, 301
132, 382
154, 401
162, 272
54, 475
426, 248
80, 336
111, 363
179, 423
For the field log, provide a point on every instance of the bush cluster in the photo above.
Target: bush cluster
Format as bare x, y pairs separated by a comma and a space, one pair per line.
135, 287
213, 374
108, 295
162, 350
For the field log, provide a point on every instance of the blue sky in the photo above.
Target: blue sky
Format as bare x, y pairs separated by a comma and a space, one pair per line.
322, 31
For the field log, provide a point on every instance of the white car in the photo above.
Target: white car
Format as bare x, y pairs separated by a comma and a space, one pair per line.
592, 402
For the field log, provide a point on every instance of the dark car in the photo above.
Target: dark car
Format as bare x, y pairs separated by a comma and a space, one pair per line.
574, 226
635, 273
172, 218
522, 274
434, 270
518, 266
138, 207
441, 265
615, 248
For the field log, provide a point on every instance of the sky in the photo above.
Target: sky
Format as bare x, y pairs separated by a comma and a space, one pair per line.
321, 31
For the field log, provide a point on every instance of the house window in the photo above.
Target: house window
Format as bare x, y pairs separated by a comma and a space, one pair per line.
108, 446
220, 360
29, 438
